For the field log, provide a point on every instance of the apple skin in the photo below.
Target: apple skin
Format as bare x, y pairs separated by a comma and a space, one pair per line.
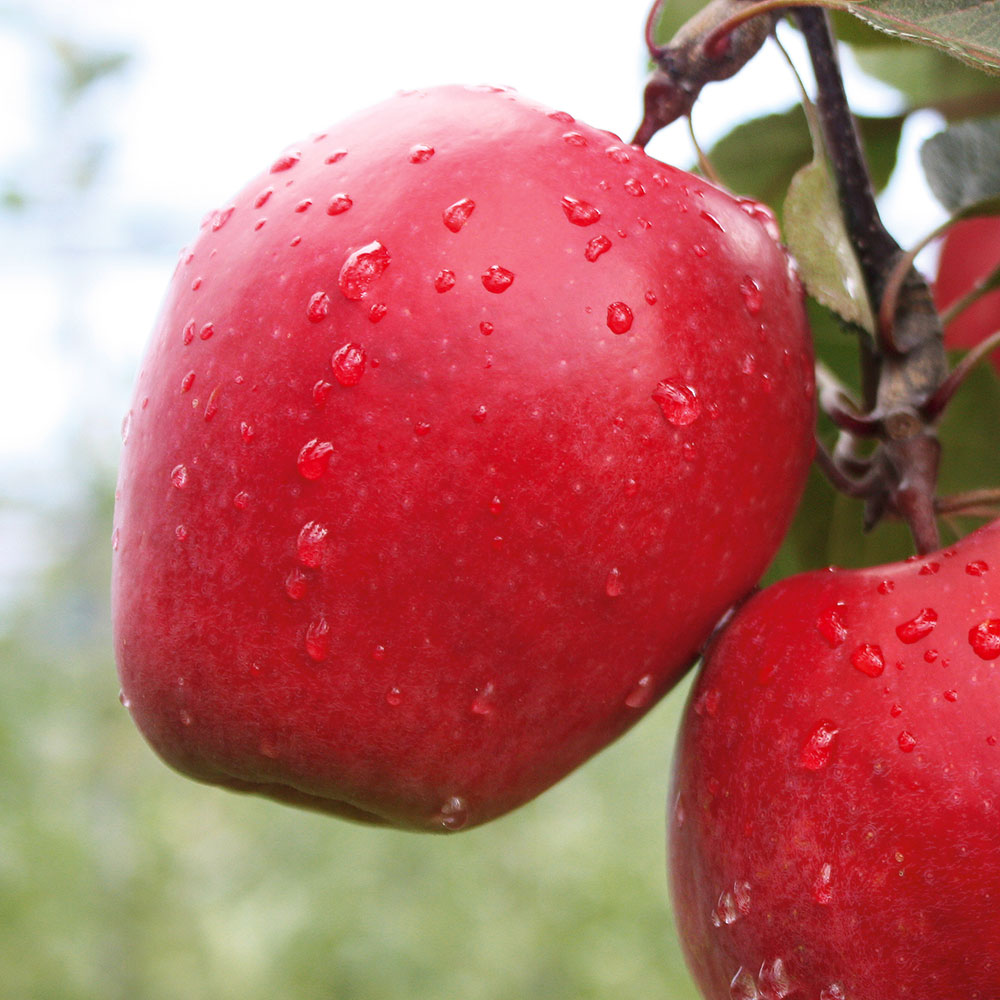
833, 829
406, 540
970, 252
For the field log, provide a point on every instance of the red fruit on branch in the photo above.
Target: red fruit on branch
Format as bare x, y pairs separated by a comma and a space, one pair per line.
834, 828
969, 254
446, 499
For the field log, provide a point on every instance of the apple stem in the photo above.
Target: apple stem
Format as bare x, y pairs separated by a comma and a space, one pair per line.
904, 365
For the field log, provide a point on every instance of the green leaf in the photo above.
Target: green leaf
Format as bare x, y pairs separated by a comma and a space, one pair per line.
927, 77
963, 163
963, 28
759, 158
815, 233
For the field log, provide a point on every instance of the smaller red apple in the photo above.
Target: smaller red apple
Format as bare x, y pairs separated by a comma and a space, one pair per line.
970, 253
835, 819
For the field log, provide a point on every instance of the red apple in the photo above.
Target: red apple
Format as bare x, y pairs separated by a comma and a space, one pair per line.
970, 253
835, 822
461, 427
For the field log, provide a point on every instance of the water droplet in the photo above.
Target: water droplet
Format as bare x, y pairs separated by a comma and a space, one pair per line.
296, 584
247, 431
708, 217
580, 213
725, 912
618, 154
977, 567
339, 204
650, 297
596, 247
457, 215
832, 992
444, 280
831, 626
314, 458
496, 505
816, 750
886, 586
707, 702
485, 328
318, 639
822, 889
497, 279
304, 205
561, 116
752, 297
743, 986
286, 161
187, 335
619, 317
574, 138
868, 659
906, 741
212, 406
312, 543
679, 402
421, 428
206, 331
393, 696
774, 980
929, 569
242, 500
482, 704
377, 312
700, 250
348, 364
918, 627
180, 532
179, 476
336, 156
613, 586
479, 414
951, 695
421, 153
261, 198
362, 269
321, 393
642, 693
219, 219
123, 698
185, 717
984, 639
454, 814
318, 308
259, 224
896, 711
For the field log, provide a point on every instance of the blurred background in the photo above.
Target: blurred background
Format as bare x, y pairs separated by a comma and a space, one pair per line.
120, 125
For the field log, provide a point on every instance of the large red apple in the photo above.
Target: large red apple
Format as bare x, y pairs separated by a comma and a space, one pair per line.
969, 254
835, 821
461, 427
